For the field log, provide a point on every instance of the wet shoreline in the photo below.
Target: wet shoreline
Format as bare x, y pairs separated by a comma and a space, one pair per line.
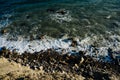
51, 61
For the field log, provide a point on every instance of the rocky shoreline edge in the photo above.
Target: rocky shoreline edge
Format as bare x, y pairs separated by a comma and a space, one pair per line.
56, 66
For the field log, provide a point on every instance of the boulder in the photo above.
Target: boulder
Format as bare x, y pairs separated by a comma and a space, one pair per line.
61, 11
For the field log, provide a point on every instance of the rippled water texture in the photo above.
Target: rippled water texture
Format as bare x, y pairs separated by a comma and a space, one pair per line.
79, 18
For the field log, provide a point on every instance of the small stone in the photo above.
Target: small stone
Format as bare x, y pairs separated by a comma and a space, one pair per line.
41, 67
3, 31
19, 60
63, 62
74, 42
34, 61
76, 66
27, 65
82, 60
82, 69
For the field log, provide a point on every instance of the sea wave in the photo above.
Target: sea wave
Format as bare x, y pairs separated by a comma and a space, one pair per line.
63, 45
5, 21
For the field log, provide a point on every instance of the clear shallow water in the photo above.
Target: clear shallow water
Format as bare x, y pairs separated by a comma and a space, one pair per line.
83, 17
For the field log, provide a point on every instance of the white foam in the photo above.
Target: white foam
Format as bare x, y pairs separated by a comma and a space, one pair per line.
5, 22
59, 45
60, 18
32, 46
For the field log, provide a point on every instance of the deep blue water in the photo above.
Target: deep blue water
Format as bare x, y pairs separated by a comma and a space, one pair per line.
84, 17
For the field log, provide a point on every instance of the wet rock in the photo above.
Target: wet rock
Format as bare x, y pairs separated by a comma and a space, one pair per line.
116, 57
27, 65
33, 67
76, 65
27, 16
63, 62
41, 37
116, 24
19, 60
41, 67
32, 37
101, 76
3, 51
74, 42
3, 31
72, 59
81, 53
82, 60
110, 52
61, 11
3, 48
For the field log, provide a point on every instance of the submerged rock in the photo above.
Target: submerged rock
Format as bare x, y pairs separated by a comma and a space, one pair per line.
61, 15
50, 10
27, 16
116, 24
61, 11
116, 57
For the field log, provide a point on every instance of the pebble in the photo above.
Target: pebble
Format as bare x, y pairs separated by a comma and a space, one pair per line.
76, 66
82, 60
19, 60
3, 31
41, 67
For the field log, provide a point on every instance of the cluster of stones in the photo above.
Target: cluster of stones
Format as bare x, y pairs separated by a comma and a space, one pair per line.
51, 61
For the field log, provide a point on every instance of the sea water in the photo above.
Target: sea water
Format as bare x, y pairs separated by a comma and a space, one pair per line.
93, 22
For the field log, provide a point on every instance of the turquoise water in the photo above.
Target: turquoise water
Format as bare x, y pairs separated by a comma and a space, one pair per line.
38, 17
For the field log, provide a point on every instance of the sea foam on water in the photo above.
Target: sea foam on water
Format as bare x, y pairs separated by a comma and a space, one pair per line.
59, 45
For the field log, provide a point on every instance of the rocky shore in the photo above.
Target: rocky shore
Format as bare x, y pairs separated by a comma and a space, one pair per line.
51, 65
